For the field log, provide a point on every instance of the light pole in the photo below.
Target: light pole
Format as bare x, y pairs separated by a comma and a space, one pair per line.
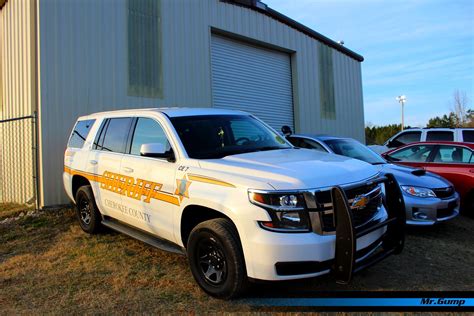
402, 99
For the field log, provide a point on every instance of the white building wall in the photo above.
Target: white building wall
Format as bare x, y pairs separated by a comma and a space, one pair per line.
18, 99
83, 68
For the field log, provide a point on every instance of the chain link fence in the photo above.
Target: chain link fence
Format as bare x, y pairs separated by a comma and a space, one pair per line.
18, 154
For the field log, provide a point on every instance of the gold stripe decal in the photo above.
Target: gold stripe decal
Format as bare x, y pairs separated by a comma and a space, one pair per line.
198, 178
128, 186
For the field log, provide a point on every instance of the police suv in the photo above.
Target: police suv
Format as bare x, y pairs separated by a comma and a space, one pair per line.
233, 195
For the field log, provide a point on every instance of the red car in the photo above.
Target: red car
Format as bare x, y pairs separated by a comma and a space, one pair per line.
451, 160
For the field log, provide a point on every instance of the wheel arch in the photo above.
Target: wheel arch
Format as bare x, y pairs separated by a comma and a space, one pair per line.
194, 214
77, 182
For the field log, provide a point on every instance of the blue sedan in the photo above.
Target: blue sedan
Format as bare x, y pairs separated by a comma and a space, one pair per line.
428, 197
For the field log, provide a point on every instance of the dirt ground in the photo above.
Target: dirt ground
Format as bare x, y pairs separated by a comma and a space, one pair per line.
48, 265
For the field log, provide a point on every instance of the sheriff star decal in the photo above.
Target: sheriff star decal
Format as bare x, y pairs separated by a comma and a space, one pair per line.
182, 188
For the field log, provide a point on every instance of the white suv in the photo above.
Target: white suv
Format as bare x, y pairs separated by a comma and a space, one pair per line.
413, 135
225, 189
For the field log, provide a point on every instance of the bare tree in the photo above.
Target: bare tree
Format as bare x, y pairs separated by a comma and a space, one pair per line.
460, 107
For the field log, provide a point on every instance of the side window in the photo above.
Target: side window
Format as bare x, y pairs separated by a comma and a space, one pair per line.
440, 136
311, 144
406, 138
468, 136
79, 134
453, 154
148, 131
115, 137
416, 153
99, 138
294, 141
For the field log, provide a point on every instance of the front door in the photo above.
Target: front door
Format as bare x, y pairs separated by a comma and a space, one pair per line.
415, 156
152, 208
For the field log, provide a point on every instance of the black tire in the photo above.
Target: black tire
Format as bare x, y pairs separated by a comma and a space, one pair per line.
216, 259
468, 207
86, 210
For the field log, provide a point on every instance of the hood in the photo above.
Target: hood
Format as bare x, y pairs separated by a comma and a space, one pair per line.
408, 176
288, 169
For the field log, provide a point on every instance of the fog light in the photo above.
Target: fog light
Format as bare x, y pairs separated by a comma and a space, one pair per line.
420, 215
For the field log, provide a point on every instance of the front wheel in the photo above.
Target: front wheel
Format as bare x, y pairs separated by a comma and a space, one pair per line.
216, 259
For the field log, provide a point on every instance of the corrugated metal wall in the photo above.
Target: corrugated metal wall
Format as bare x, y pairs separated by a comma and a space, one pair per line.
17, 80
253, 79
83, 68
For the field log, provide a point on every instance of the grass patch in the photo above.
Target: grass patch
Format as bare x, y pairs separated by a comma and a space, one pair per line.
48, 265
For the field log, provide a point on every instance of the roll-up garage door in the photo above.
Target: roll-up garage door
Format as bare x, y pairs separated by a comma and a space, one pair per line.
252, 79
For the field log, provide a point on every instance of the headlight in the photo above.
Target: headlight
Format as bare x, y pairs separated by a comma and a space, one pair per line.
287, 211
418, 191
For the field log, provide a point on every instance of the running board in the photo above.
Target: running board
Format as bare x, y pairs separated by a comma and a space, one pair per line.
142, 236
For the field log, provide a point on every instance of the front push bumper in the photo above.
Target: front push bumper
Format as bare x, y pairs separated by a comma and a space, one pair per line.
273, 256
392, 242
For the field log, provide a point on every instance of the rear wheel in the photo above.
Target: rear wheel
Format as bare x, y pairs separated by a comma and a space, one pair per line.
86, 210
216, 259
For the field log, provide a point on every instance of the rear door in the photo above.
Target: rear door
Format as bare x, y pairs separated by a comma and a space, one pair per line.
104, 163
455, 163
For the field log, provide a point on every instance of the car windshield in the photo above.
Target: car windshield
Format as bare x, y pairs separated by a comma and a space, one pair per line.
354, 149
217, 136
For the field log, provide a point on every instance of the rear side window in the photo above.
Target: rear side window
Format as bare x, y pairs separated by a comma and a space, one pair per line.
440, 136
79, 134
116, 135
453, 154
468, 136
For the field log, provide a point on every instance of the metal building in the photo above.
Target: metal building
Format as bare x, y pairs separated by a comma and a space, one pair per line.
63, 59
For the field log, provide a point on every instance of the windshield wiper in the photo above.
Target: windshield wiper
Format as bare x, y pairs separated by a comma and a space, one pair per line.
379, 163
253, 150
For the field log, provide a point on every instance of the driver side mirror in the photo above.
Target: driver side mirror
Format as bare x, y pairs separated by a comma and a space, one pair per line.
157, 150
286, 130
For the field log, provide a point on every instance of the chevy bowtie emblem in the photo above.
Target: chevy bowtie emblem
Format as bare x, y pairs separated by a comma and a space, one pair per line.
360, 202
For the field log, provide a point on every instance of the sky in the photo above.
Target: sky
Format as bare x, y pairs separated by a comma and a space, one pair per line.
423, 49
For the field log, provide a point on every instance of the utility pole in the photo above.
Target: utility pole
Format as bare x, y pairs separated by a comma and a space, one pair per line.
402, 99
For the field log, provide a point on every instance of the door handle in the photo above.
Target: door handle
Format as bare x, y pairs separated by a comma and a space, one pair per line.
127, 169
471, 171
93, 162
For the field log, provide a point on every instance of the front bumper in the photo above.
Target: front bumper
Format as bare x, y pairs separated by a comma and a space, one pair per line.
285, 256
429, 211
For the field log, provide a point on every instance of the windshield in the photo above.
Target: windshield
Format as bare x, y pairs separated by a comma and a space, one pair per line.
354, 149
217, 136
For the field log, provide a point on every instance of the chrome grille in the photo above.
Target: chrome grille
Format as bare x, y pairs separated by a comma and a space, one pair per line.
361, 215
